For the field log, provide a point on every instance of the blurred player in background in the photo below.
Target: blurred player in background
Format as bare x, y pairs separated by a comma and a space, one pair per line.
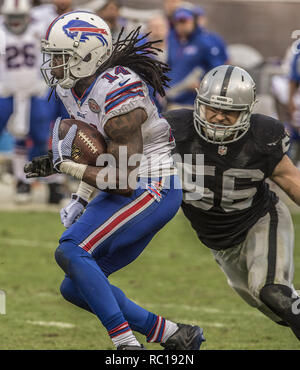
107, 88
234, 213
110, 12
191, 53
45, 13
25, 110
216, 39
169, 8
158, 28
293, 102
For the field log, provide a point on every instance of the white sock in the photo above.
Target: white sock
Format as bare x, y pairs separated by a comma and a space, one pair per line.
123, 335
161, 331
170, 329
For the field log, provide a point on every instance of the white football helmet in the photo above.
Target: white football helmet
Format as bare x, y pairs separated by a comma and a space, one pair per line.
226, 88
84, 42
16, 15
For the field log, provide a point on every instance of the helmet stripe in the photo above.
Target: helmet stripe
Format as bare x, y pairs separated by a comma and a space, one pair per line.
226, 80
61, 16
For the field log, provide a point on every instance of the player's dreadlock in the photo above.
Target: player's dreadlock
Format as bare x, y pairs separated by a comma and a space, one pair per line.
127, 53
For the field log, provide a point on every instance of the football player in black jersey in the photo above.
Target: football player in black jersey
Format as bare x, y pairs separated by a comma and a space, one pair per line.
248, 229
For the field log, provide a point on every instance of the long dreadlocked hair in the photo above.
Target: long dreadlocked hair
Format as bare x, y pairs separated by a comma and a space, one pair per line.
138, 58
137, 55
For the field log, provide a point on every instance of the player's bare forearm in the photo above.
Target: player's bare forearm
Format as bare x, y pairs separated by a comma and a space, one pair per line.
287, 177
124, 131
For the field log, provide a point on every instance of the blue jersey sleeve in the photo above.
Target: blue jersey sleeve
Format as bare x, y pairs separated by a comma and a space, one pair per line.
295, 68
221, 47
213, 53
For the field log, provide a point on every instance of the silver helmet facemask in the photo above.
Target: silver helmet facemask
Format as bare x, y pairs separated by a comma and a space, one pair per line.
48, 66
225, 88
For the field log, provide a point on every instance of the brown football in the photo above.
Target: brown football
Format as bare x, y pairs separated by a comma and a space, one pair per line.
88, 143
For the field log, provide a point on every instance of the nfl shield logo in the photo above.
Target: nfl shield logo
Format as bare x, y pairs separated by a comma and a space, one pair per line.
94, 106
222, 150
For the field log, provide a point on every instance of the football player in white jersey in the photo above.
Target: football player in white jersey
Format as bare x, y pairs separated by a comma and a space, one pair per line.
106, 87
47, 12
23, 94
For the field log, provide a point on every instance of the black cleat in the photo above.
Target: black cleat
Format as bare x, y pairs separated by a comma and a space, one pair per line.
185, 338
127, 347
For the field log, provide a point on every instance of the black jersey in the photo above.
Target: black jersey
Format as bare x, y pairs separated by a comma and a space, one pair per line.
234, 194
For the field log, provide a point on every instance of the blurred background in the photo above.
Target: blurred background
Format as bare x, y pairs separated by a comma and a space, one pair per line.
259, 36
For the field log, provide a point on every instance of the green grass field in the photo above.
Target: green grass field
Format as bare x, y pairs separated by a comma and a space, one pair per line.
175, 277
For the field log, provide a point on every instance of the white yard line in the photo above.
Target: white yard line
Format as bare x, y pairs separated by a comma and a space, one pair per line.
200, 309
62, 325
28, 243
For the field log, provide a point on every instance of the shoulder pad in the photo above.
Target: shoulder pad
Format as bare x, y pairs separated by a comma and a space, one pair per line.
182, 123
267, 131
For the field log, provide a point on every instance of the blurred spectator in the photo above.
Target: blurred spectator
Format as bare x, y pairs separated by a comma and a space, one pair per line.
191, 53
169, 8
216, 39
110, 12
294, 104
45, 13
158, 26
25, 110
294, 81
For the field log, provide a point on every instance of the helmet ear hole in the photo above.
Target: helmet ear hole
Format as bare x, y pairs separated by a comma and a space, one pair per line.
88, 57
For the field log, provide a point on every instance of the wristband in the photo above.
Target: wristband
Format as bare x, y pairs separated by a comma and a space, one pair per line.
85, 190
73, 169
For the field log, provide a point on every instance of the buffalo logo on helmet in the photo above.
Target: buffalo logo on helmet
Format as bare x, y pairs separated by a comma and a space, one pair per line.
76, 152
72, 29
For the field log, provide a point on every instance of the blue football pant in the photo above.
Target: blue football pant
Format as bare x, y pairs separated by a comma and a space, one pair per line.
113, 232
42, 113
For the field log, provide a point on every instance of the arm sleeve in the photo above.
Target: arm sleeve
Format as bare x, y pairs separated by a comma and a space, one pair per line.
295, 68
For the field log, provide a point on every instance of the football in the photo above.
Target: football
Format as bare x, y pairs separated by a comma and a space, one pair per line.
88, 143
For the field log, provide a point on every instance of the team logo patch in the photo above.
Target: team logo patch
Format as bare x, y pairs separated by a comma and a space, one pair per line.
155, 189
81, 115
76, 152
222, 150
86, 30
94, 106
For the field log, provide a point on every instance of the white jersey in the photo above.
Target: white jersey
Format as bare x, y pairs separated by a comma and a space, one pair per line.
44, 14
20, 65
118, 91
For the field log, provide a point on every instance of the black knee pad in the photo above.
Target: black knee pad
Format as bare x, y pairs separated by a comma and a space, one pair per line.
61, 259
279, 298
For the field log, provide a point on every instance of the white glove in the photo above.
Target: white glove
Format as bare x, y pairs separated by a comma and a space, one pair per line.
73, 210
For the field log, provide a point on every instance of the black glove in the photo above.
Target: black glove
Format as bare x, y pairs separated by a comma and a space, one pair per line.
40, 166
